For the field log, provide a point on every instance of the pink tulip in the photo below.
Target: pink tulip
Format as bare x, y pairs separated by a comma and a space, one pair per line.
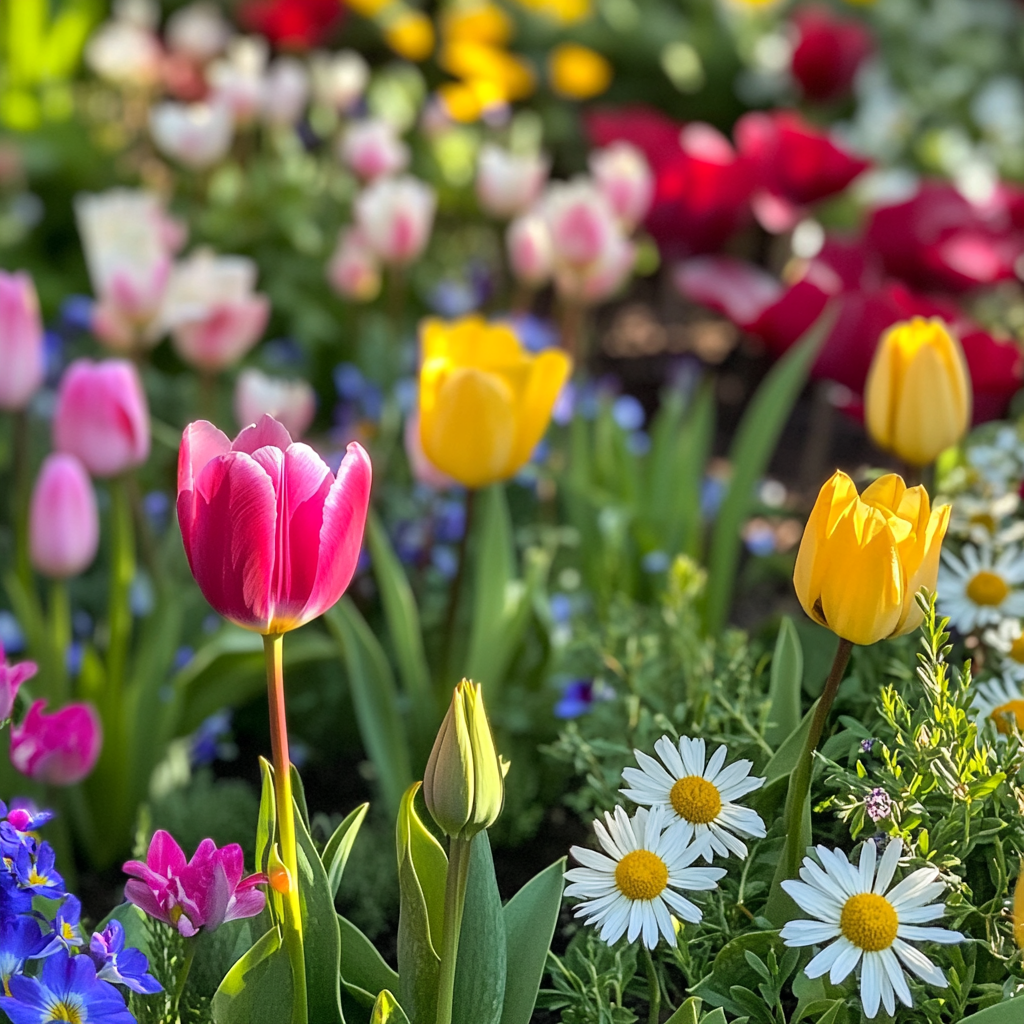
102, 416
291, 402
508, 183
201, 893
601, 278
11, 678
354, 272
625, 179
211, 310
373, 149
287, 92
396, 216
59, 749
21, 341
528, 241
272, 537
239, 78
197, 135
581, 222
63, 524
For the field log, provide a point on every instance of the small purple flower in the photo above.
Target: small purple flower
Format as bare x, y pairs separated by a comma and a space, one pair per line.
21, 939
37, 874
878, 804
121, 966
867, 745
579, 697
67, 930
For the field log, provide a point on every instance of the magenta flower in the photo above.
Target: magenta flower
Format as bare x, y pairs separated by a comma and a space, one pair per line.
61, 748
11, 678
201, 893
272, 536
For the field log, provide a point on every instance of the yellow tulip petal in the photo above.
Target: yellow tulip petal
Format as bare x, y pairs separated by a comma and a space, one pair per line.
548, 374
469, 431
926, 573
929, 418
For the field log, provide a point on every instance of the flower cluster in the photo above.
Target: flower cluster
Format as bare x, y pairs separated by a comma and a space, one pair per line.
78, 975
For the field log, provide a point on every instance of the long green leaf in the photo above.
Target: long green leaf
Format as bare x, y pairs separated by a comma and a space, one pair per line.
786, 684
364, 972
258, 988
375, 700
751, 451
1010, 1012
339, 846
387, 1011
530, 919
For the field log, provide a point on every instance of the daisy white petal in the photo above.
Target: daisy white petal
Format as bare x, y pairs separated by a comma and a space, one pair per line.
919, 964
870, 985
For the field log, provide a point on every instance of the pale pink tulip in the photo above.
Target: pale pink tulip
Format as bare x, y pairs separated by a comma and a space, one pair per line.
272, 536
530, 256
197, 135
198, 31
239, 79
63, 523
211, 310
102, 416
625, 179
11, 678
291, 402
59, 749
339, 79
372, 148
602, 277
508, 183
287, 92
354, 271
580, 220
396, 216
22, 357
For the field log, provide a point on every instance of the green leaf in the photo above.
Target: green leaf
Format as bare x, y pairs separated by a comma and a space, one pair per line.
786, 685
751, 451
1009, 1012
364, 972
320, 930
780, 907
688, 1012
258, 988
530, 919
422, 871
374, 698
403, 619
266, 823
481, 964
387, 1011
339, 846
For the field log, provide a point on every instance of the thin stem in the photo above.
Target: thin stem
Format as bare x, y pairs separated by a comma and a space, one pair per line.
572, 330
396, 294
653, 987
20, 497
183, 971
454, 905
273, 648
460, 571
122, 572
800, 780
60, 638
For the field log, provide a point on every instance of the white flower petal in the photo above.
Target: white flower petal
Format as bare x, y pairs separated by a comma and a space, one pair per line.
671, 757
897, 978
919, 964
682, 906
871, 984
915, 933
887, 868
866, 866
716, 762
809, 933
812, 901
822, 963
845, 962
592, 859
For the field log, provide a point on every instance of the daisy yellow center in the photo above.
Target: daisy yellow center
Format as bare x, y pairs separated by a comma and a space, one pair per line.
1016, 650
641, 875
696, 800
987, 588
63, 1011
1013, 709
984, 519
869, 921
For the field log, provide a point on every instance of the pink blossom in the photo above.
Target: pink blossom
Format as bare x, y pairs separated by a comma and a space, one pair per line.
272, 536
201, 893
21, 341
396, 216
530, 255
197, 135
59, 749
353, 271
291, 402
373, 149
11, 678
102, 416
508, 183
63, 523
624, 178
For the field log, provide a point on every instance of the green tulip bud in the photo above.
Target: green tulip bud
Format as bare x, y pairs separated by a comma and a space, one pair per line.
464, 784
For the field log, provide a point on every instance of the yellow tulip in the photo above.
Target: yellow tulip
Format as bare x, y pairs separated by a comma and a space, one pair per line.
863, 558
411, 35
483, 23
577, 72
917, 400
485, 401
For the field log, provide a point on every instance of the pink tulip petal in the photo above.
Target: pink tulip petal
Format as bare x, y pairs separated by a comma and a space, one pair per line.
231, 548
245, 903
341, 535
145, 899
164, 855
200, 444
231, 859
267, 433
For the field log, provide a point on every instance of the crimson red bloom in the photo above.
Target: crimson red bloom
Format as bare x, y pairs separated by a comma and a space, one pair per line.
829, 52
292, 24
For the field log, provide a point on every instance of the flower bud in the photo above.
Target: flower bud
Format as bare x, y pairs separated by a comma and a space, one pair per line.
917, 400
64, 527
59, 749
529, 249
464, 783
373, 149
21, 341
395, 216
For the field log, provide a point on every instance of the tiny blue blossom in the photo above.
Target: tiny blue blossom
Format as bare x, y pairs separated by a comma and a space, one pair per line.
115, 963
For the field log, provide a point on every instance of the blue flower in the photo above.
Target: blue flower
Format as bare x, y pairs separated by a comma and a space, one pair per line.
67, 990
628, 413
14, 901
579, 697
37, 874
67, 932
21, 939
119, 965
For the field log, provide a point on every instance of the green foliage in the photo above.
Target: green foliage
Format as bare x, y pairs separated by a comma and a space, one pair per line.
590, 983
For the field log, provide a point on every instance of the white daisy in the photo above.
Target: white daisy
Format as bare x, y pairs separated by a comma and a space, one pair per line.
986, 520
632, 889
698, 799
1000, 700
1008, 639
977, 589
853, 907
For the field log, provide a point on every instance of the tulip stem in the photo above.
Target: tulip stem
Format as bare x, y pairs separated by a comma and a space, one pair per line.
273, 648
460, 571
60, 626
183, 972
20, 497
653, 987
800, 780
454, 905
122, 572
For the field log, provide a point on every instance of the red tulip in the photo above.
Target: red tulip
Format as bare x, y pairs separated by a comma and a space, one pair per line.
272, 537
795, 165
295, 24
60, 749
63, 524
829, 52
102, 416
